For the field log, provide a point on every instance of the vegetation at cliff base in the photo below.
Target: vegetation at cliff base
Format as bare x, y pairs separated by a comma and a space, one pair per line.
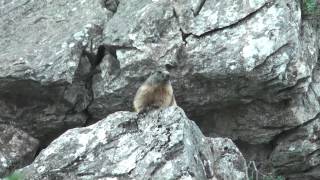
14, 176
311, 8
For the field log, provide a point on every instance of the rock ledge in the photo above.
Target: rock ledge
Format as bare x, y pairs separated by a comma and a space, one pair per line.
163, 144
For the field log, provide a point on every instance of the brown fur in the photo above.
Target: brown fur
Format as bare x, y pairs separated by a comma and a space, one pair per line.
160, 95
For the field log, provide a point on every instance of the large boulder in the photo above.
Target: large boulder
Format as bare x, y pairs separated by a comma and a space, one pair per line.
44, 88
162, 144
17, 149
244, 69
298, 151
252, 73
241, 66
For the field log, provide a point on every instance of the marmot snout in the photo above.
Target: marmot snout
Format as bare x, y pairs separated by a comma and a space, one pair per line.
155, 92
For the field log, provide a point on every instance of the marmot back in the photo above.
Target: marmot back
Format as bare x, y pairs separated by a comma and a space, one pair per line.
155, 92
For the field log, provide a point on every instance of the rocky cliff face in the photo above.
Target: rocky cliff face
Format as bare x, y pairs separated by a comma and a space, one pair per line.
247, 70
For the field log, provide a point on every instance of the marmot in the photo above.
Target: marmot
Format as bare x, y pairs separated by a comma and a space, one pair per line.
155, 92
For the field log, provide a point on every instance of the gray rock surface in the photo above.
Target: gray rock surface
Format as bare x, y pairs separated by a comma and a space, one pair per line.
247, 70
147, 35
250, 62
256, 69
17, 149
244, 69
312, 174
298, 151
162, 144
43, 86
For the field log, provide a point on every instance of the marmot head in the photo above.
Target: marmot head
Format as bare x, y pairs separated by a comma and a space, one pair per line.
158, 77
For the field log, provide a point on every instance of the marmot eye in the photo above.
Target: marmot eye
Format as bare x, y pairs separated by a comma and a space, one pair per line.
159, 72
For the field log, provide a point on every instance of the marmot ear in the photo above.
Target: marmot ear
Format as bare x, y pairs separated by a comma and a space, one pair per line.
170, 66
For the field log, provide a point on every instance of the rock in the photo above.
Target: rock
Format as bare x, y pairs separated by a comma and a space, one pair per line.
259, 121
296, 153
298, 150
146, 34
242, 71
44, 88
17, 149
258, 99
257, 155
162, 144
246, 70
312, 174
201, 16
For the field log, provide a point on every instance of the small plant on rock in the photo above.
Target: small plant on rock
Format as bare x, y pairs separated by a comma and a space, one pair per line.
14, 176
310, 8
255, 174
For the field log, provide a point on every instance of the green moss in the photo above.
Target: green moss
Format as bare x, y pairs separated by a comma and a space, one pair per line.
14, 176
274, 178
267, 178
309, 5
310, 8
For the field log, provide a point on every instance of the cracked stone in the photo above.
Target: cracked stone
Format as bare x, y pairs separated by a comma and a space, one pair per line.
17, 149
164, 144
43, 85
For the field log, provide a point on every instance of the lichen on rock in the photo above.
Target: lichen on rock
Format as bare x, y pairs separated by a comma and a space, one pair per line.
162, 144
